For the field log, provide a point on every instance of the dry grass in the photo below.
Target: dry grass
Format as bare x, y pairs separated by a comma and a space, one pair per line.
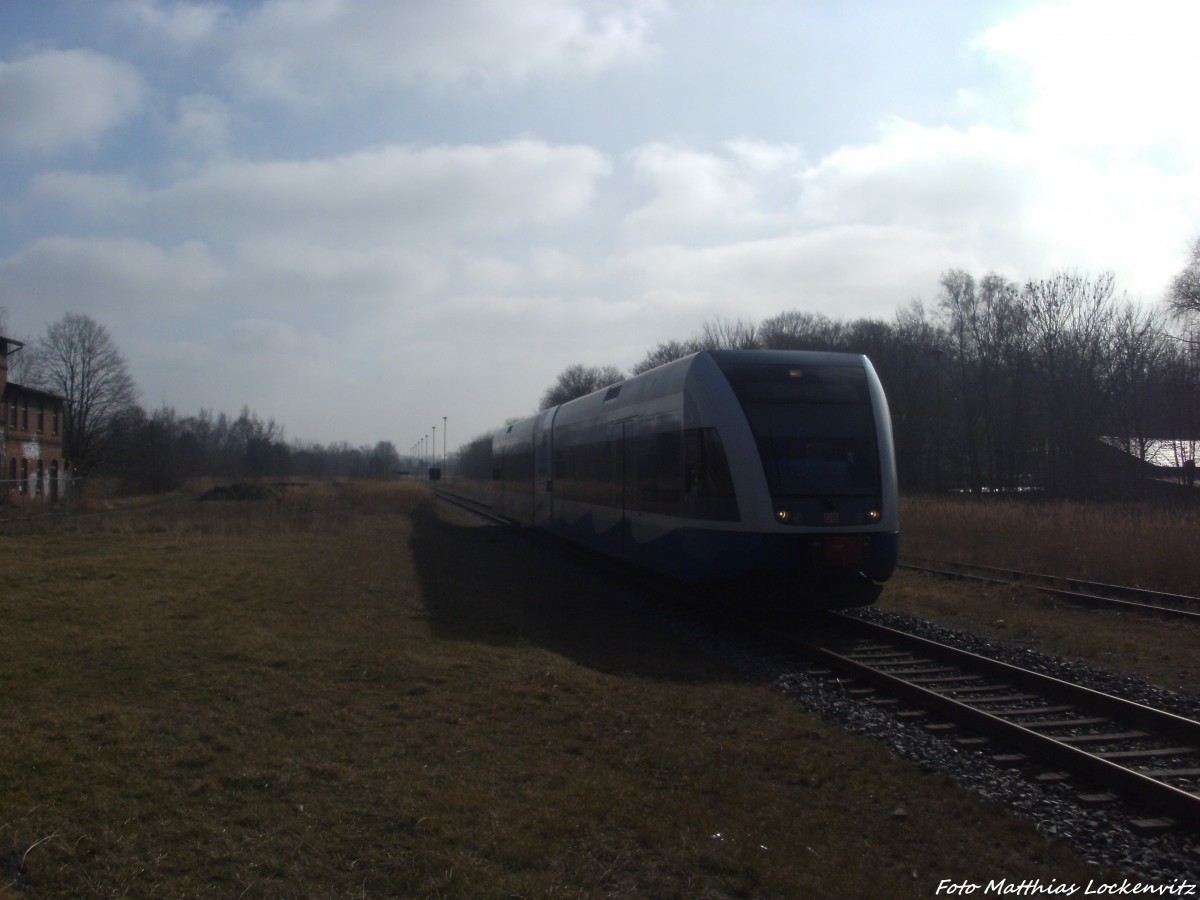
1121, 543
1141, 544
1160, 651
333, 692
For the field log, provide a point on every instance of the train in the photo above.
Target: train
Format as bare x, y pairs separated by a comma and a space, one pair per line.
764, 468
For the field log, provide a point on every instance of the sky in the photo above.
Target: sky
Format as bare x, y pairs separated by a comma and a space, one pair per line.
367, 218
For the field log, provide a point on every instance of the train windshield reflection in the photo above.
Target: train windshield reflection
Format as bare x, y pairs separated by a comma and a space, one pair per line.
814, 428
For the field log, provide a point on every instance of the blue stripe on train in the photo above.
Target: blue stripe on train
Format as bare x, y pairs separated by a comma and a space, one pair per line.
709, 555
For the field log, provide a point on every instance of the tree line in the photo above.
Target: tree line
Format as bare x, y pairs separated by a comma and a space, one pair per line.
1060, 384
159, 450
107, 433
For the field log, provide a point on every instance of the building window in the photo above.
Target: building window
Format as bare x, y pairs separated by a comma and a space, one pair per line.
12, 414
54, 420
24, 475
41, 416
25, 415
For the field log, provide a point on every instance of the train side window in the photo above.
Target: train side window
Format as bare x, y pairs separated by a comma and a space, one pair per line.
707, 482
542, 454
657, 471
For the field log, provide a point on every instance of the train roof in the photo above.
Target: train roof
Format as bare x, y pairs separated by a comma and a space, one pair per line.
670, 378
812, 357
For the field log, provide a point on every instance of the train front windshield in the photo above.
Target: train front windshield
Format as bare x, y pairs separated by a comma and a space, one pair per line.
814, 427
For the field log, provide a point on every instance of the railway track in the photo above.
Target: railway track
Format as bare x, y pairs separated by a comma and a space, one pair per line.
1106, 747
476, 508
1092, 594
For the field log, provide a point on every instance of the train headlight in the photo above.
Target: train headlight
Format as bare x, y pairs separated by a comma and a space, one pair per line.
782, 515
874, 515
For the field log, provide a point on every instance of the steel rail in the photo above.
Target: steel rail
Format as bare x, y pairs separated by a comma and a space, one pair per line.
1142, 787
1089, 597
475, 507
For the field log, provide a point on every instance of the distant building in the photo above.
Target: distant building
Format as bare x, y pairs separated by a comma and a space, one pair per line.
31, 437
1160, 457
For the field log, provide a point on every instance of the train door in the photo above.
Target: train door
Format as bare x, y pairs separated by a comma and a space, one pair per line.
628, 476
543, 469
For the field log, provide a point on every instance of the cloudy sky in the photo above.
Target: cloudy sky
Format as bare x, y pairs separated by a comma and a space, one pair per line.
359, 216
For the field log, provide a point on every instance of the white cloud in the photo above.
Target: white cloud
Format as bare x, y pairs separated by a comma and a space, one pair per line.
1021, 202
181, 23
114, 278
843, 271
313, 281
302, 50
540, 268
202, 126
56, 99
747, 189
971, 186
1106, 74
966, 188
86, 193
374, 196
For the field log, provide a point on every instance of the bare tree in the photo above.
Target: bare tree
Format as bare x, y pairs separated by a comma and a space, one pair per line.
726, 334
986, 328
1140, 351
384, 461
1072, 321
1183, 297
912, 375
579, 380
665, 352
797, 330
18, 362
475, 459
716, 334
78, 359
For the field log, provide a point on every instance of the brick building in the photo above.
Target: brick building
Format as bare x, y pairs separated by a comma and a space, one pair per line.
31, 437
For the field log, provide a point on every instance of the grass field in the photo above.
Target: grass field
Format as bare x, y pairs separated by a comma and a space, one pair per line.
334, 692
1121, 543
1142, 544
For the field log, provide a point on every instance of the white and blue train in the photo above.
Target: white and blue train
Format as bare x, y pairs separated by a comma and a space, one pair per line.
769, 467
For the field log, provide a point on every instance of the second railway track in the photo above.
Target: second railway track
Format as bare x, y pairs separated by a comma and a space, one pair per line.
1092, 594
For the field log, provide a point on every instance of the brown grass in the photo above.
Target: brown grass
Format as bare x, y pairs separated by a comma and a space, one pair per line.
1140, 544
333, 692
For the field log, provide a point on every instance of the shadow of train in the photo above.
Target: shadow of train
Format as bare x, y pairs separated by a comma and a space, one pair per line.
507, 588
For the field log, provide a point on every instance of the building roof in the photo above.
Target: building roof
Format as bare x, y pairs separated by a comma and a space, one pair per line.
11, 387
1161, 452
